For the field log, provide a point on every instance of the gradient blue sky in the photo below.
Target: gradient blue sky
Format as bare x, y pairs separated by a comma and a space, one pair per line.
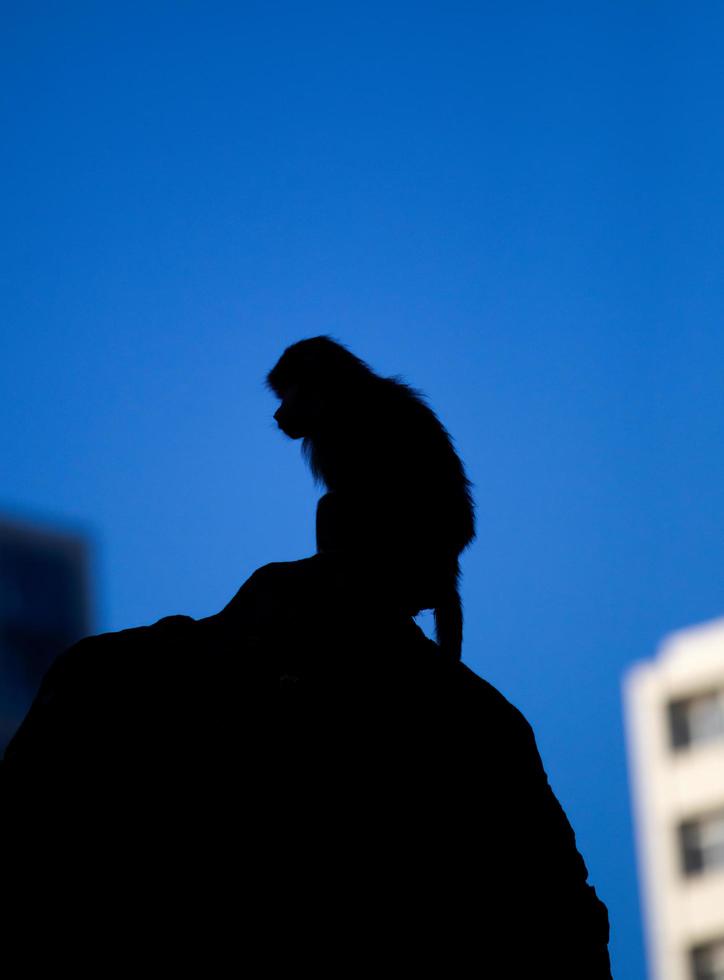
517, 206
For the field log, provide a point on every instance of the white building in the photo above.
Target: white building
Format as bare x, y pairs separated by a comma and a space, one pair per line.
675, 726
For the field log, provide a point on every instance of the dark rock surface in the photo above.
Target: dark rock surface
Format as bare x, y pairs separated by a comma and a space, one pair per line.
389, 812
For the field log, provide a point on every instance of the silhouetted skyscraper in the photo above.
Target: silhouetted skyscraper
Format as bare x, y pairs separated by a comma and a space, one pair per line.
44, 608
675, 722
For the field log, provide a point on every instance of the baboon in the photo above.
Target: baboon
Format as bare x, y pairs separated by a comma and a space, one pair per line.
398, 506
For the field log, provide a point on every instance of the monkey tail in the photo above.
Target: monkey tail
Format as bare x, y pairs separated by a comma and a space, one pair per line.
449, 623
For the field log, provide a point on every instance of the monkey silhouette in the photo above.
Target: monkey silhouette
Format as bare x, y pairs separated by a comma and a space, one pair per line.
398, 508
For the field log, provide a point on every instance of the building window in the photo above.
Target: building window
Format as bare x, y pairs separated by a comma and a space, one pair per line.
707, 961
702, 843
697, 719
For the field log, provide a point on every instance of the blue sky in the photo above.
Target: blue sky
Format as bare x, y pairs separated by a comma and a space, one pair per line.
516, 206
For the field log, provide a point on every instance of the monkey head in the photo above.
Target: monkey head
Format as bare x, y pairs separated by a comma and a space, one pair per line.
313, 379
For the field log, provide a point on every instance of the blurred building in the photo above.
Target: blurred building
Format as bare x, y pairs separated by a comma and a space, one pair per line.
44, 608
675, 726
